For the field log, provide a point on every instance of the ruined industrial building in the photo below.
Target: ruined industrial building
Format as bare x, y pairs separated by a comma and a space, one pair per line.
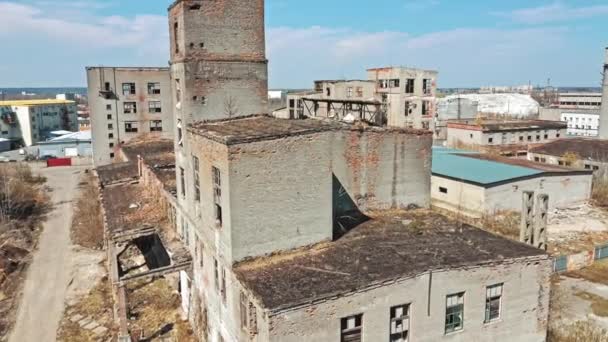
312, 224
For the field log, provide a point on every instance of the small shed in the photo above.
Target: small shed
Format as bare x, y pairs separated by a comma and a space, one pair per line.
76, 144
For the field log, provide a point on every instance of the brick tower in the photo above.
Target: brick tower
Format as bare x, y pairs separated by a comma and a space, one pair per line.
218, 59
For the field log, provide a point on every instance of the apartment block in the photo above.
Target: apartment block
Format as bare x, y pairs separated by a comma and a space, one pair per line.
395, 96
127, 103
27, 122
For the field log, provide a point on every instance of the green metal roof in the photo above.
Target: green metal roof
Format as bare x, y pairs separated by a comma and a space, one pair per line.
456, 165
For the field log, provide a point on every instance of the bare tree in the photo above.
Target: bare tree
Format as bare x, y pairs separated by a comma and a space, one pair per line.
231, 107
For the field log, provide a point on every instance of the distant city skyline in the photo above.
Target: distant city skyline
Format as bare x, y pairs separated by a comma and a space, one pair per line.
472, 44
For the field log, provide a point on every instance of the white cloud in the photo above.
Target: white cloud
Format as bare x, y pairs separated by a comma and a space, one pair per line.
555, 12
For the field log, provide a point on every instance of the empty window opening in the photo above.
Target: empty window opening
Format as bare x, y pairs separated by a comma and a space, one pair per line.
216, 274
454, 312
493, 302
128, 88
194, 7
400, 323
443, 190
108, 107
328, 91
427, 86
106, 86
409, 86
180, 138
243, 311
195, 174
176, 36
109, 116
182, 180
351, 329
217, 194
223, 289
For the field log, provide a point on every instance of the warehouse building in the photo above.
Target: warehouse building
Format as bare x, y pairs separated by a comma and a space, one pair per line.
475, 185
76, 144
507, 135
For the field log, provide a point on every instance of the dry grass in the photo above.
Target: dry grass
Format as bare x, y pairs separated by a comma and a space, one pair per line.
596, 273
23, 206
503, 223
600, 192
87, 223
98, 305
156, 308
599, 304
578, 332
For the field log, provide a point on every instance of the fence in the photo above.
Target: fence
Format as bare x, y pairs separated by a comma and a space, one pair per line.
581, 260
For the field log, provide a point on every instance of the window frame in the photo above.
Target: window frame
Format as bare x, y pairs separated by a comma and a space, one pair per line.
128, 89
154, 88
129, 107
450, 326
156, 125
488, 306
196, 178
133, 127
404, 334
155, 106
345, 331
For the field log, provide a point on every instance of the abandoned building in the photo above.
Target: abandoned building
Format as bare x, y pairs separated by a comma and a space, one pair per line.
26, 122
474, 184
507, 135
126, 103
603, 134
396, 96
578, 153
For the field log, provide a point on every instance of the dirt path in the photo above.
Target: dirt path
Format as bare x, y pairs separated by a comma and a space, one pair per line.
48, 276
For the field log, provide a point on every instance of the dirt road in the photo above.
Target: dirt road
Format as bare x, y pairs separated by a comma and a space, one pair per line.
48, 276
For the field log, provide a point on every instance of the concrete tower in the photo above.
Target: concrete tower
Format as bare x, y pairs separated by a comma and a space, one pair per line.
604, 112
218, 59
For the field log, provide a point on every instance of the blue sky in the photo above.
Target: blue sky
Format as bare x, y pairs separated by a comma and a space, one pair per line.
470, 42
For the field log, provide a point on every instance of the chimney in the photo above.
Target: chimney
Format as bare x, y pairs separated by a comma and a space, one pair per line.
604, 112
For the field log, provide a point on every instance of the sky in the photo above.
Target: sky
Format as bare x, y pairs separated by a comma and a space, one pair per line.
471, 43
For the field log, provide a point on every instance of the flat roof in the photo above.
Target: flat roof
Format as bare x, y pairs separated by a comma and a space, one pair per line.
158, 155
259, 127
585, 148
35, 102
402, 68
131, 68
515, 125
391, 246
487, 170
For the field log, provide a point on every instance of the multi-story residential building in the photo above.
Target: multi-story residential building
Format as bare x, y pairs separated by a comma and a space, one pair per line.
126, 103
287, 220
396, 96
27, 122
494, 133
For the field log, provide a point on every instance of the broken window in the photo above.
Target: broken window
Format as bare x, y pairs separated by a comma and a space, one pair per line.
110, 126
493, 301
111, 145
359, 91
131, 126
111, 155
128, 88
243, 308
443, 190
153, 88
490, 140
253, 319
383, 84
178, 91
107, 87
216, 274
409, 86
351, 329
223, 289
427, 86
156, 126
292, 103
328, 91
400, 323
110, 135
154, 107
408, 108
394, 83
130, 107
182, 180
108, 107
180, 138
349, 92
195, 173
454, 312
109, 116
426, 108
217, 194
